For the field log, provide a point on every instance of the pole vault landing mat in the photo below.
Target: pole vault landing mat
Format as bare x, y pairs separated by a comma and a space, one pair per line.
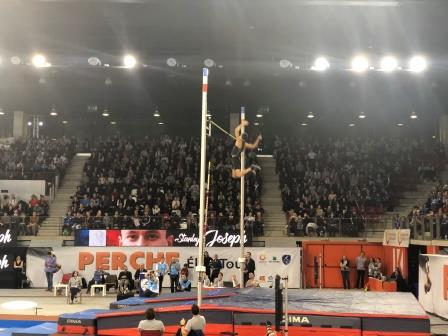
245, 311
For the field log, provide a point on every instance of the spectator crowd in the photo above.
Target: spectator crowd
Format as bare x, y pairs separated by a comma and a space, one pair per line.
152, 183
333, 185
23, 160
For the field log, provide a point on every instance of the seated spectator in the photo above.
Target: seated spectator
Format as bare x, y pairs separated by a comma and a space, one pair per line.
139, 275
235, 282
219, 281
150, 285
125, 278
371, 268
75, 285
196, 325
252, 282
184, 284
98, 278
184, 271
180, 331
151, 323
398, 277
33, 224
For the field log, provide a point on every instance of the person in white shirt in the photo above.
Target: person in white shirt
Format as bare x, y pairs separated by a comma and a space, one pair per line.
150, 288
196, 325
219, 282
151, 323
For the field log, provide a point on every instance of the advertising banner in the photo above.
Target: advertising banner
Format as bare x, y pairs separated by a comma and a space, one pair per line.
213, 238
8, 238
397, 238
433, 283
268, 261
7, 274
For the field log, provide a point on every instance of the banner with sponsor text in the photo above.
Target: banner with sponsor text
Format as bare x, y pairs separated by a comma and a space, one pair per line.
397, 238
433, 283
8, 237
268, 261
213, 238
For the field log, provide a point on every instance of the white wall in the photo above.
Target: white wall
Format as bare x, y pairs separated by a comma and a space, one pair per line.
23, 189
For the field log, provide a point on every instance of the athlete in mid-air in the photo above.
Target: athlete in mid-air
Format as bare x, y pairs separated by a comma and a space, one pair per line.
239, 146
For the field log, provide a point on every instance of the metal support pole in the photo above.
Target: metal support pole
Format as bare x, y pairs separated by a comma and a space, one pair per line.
320, 270
200, 268
242, 200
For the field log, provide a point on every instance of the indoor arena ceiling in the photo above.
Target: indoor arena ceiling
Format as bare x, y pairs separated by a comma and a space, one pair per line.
246, 40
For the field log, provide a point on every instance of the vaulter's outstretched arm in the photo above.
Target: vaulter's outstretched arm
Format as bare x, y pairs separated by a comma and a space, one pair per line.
255, 144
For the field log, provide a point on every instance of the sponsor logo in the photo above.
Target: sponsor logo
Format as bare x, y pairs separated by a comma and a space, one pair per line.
72, 321
122, 306
298, 319
286, 258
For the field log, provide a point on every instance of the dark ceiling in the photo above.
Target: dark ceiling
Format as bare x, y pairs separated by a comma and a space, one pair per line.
247, 38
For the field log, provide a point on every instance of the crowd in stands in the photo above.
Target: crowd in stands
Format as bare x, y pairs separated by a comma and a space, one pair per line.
23, 217
35, 157
333, 185
431, 216
152, 183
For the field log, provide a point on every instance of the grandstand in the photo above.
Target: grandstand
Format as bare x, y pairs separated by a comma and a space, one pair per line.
306, 193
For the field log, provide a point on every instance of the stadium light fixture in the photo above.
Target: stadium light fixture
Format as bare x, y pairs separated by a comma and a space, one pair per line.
129, 61
284, 63
160, 123
351, 125
310, 115
362, 115
41, 123
413, 115
399, 124
389, 64
303, 124
39, 61
64, 121
113, 122
1, 111
256, 123
15, 60
53, 112
29, 123
94, 61
209, 63
259, 115
156, 113
105, 113
418, 64
320, 64
171, 62
360, 64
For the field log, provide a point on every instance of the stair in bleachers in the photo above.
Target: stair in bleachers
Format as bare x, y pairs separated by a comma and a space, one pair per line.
58, 207
274, 219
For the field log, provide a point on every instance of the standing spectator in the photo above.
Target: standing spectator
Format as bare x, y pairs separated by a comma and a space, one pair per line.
207, 261
174, 274
51, 267
360, 270
249, 266
196, 325
162, 269
75, 285
345, 272
18, 270
151, 323
215, 266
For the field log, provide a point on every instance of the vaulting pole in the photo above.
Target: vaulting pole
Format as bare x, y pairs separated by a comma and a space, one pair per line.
242, 200
201, 268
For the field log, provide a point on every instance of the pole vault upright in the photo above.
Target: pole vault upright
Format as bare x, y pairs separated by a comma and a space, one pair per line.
200, 268
241, 259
